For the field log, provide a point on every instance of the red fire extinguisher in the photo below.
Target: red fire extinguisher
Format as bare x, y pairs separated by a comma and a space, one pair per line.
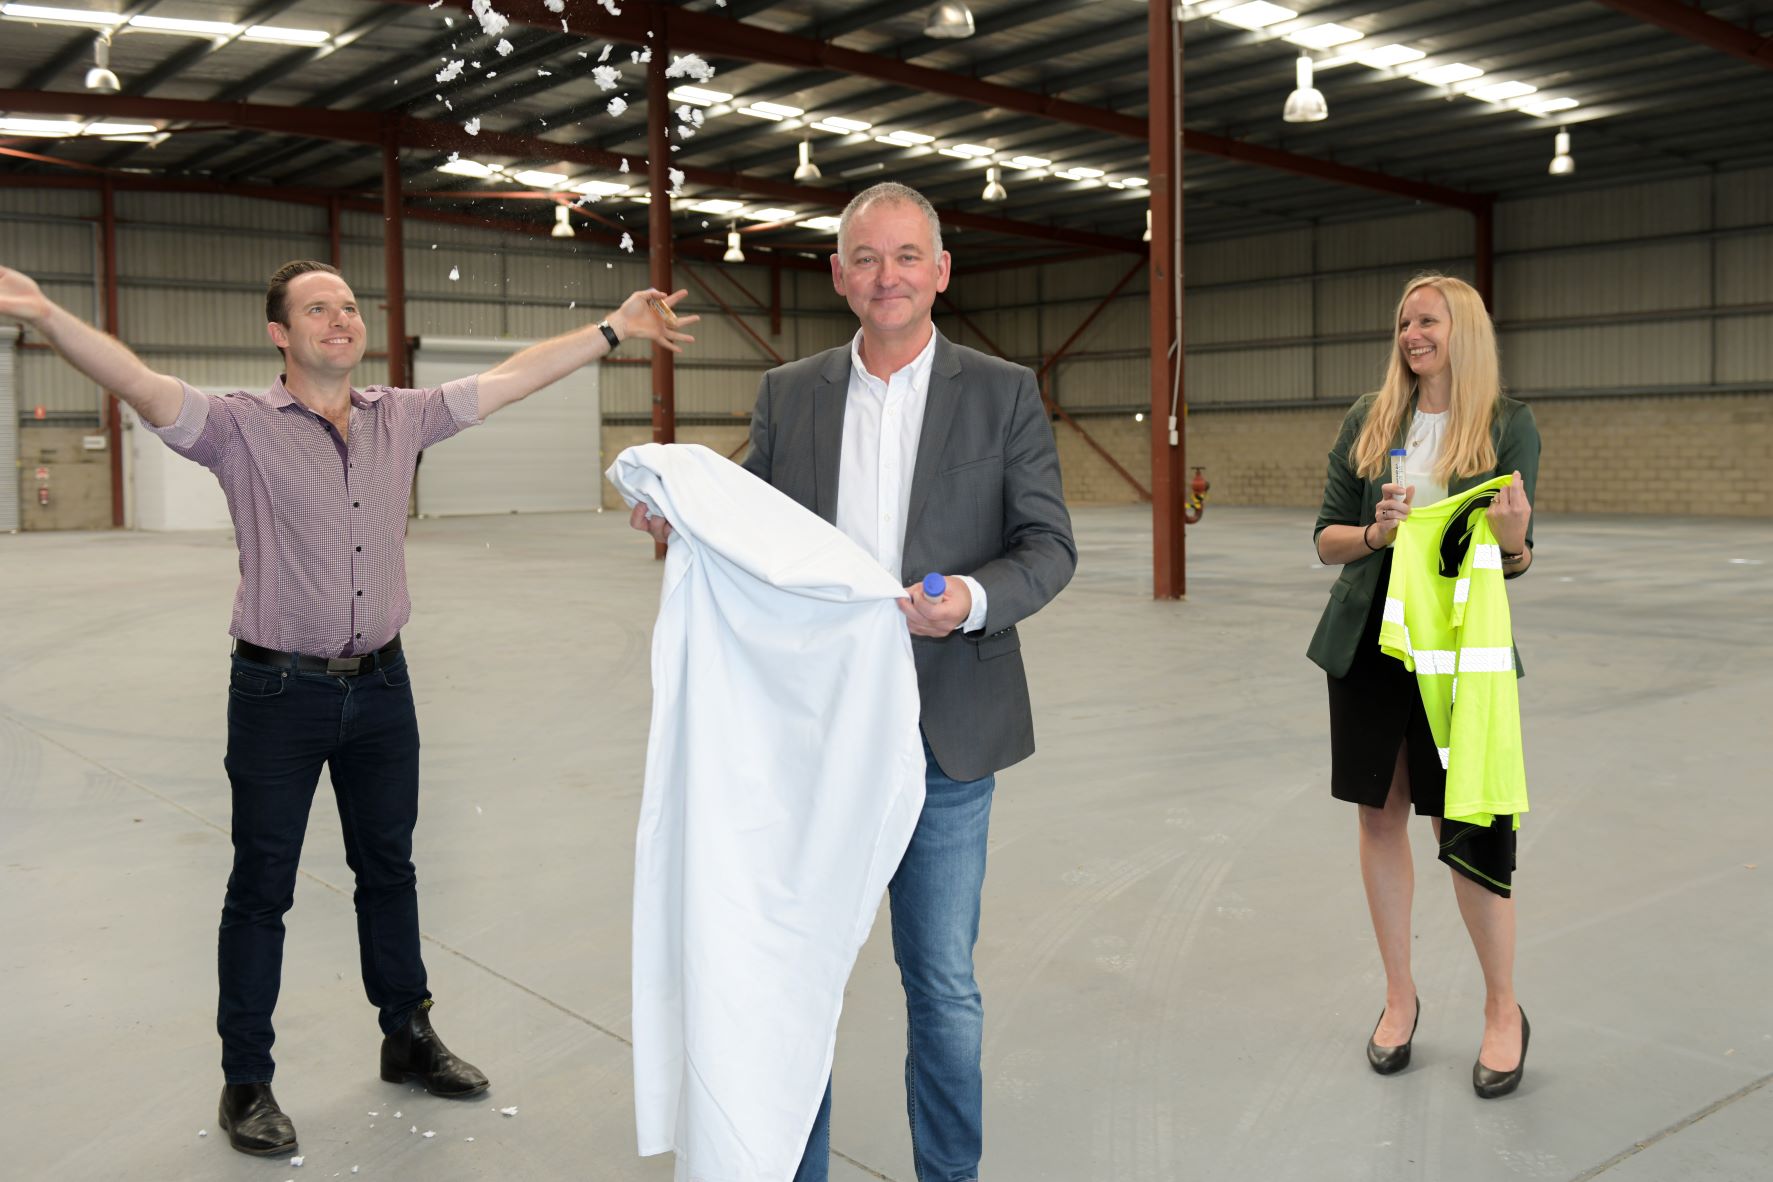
43, 487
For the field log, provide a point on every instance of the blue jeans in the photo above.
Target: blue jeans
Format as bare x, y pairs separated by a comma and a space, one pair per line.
935, 909
283, 727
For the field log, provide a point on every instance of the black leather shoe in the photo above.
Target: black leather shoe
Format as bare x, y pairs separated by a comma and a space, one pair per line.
253, 1122
415, 1049
1489, 1083
1391, 1060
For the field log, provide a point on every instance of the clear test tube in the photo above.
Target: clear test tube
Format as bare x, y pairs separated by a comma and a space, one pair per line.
1397, 471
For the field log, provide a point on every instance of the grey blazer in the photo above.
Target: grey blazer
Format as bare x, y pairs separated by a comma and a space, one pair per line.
985, 502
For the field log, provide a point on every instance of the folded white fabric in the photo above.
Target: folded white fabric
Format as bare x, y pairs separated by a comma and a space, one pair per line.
784, 776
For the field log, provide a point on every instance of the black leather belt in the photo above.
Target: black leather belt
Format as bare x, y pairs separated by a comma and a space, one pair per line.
337, 666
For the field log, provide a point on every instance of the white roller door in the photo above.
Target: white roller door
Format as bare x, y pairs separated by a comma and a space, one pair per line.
543, 454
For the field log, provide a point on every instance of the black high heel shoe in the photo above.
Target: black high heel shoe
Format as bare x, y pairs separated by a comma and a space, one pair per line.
1391, 1060
1490, 1083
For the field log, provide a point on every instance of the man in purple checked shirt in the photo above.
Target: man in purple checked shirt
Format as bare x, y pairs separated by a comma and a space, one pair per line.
316, 472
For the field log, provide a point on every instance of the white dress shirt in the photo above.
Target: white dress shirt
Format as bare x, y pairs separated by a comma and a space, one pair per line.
882, 423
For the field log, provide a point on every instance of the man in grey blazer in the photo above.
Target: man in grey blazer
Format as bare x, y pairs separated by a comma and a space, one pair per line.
934, 458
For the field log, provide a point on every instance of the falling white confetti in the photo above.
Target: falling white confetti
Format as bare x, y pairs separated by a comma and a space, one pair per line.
297, 1161
606, 77
627, 244
203, 1132
377, 1113
512, 1111
541, 73
689, 66
571, 304
428, 1132
624, 164
609, 266
609, 6
642, 56
604, 56
683, 112
434, 4
555, 6
451, 71
491, 23
472, 127
492, 73
617, 105
477, 810
504, 47
676, 175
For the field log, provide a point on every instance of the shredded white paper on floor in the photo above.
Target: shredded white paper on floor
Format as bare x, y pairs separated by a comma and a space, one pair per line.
429, 1132
297, 1161
512, 1111
203, 1132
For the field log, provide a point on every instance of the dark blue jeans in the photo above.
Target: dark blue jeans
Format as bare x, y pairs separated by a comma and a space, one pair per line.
935, 908
283, 727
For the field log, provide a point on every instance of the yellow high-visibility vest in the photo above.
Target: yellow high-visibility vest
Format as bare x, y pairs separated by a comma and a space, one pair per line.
1446, 618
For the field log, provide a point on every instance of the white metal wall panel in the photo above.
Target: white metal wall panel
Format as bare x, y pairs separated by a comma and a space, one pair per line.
1086, 277
1652, 277
242, 370
542, 454
1260, 256
1745, 268
215, 211
1264, 312
1124, 324
453, 318
67, 203
205, 256
1346, 371
1605, 215
1412, 239
1267, 375
45, 247
1102, 382
1365, 302
190, 316
1745, 198
1627, 356
1745, 349
46, 380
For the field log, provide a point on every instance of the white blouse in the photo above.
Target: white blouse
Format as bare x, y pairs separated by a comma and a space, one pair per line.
1422, 451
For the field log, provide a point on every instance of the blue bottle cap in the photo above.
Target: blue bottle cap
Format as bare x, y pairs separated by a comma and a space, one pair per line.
935, 586
1398, 451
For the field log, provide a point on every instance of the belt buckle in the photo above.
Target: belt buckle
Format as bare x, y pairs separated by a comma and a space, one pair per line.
348, 665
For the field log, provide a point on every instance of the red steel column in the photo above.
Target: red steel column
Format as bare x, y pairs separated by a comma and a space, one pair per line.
394, 257
113, 412
1164, 82
1484, 251
658, 227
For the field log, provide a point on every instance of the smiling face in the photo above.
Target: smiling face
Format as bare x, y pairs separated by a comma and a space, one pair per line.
890, 271
1424, 327
325, 332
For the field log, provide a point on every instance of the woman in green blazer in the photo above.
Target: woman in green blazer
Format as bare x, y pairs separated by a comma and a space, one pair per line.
1442, 402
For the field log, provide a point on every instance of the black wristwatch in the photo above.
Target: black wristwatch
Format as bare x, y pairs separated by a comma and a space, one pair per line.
609, 334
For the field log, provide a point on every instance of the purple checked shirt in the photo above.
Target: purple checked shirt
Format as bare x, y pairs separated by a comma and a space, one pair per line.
320, 521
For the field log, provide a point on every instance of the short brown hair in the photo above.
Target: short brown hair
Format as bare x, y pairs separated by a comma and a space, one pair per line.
277, 294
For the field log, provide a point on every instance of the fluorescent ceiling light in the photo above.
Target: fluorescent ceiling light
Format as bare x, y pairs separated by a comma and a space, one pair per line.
1324, 36
759, 113
906, 139
769, 215
1257, 15
698, 96
1448, 74
1135, 182
1549, 106
471, 168
1026, 162
717, 205
62, 16
120, 128
542, 180
1500, 92
1079, 174
1387, 56
285, 36
842, 125
600, 188
820, 223
41, 126
967, 151
777, 110
170, 24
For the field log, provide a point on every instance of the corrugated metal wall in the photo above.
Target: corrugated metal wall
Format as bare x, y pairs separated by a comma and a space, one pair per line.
1664, 287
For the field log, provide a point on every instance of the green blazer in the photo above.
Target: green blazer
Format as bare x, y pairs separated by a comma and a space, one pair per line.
1351, 500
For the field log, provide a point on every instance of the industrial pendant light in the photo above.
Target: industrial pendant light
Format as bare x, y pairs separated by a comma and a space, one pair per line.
808, 171
1562, 163
1306, 103
734, 253
1147, 235
563, 223
994, 190
100, 77
949, 20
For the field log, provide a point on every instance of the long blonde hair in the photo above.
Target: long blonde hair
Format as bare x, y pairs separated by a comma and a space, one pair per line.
1467, 449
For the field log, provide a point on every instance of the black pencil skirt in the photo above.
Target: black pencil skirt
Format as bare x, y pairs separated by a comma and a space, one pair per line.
1376, 709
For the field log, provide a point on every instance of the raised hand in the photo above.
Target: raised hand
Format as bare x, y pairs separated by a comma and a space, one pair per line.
21, 298
635, 318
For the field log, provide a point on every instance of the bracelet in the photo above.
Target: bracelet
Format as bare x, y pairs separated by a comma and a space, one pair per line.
1372, 549
609, 334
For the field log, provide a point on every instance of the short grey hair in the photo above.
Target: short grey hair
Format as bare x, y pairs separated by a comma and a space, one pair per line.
885, 193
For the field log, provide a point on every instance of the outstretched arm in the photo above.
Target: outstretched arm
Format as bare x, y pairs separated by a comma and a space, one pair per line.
546, 362
98, 355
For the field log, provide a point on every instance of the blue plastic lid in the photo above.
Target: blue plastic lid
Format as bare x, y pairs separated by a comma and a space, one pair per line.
1398, 451
935, 586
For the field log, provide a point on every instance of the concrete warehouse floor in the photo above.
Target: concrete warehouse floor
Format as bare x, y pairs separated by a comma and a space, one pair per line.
1178, 969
